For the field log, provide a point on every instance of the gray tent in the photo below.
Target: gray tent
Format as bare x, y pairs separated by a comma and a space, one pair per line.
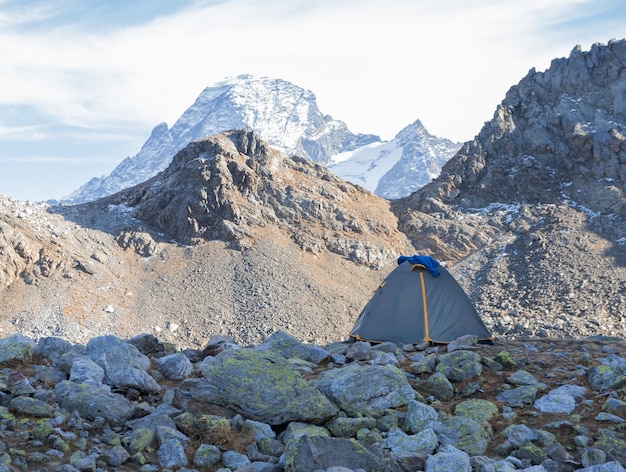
419, 301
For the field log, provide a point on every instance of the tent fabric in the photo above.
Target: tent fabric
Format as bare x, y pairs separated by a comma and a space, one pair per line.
412, 305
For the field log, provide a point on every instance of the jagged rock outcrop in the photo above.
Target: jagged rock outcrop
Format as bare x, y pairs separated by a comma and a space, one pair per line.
235, 187
533, 210
558, 136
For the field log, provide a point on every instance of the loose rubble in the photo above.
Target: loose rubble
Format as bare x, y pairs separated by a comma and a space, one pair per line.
284, 405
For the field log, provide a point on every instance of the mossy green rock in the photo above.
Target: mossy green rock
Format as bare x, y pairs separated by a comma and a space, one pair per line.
206, 455
440, 387
604, 377
366, 390
347, 427
311, 453
459, 365
613, 444
505, 359
16, 348
213, 423
477, 409
140, 440
463, 433
5, 414
297, 429
42, 430
260, 384
31, 406
531, 452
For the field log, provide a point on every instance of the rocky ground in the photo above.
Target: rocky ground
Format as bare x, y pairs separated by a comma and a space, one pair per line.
527, 405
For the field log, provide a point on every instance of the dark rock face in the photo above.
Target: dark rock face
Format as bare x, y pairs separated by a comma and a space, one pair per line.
555, 134
234, 187
533, 210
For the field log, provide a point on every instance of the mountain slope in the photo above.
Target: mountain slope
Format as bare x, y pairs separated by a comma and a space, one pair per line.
533, 210
396, 168
283, 114
234, 237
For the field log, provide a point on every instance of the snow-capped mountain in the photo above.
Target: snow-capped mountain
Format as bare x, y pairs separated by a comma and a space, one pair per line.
287, 117
396, 168
283, 114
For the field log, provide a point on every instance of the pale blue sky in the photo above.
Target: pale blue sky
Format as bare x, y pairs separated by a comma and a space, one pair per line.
83, 82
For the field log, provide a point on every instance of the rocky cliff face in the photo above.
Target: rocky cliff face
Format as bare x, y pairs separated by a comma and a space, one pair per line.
234, 187
534, 207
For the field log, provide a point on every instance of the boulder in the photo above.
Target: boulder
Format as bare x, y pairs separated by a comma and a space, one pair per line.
314, 453
124, 366
365, 389
260, 384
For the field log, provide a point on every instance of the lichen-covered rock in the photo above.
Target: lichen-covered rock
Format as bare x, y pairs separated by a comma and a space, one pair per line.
447, 459
260, 384
141, 439
342, 427
460, 365
290, 347
477, 409
411, 450
31, 406
518, 397
604, 377
91, 401
365, 389
462, 433
207, 455
440, 387
16, 347
311, 453
615, 406
418, 416
172, 454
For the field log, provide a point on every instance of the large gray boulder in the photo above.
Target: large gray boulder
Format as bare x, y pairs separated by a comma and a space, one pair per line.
260, 384
124, 366
312, 453
289, 347
93, 400
366, 390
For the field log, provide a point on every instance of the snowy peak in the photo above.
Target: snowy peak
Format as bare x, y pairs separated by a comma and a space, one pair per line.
283, 114
399, 167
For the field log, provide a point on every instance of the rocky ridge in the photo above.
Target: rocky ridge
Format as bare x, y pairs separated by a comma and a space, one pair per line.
532, 211
140, 404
